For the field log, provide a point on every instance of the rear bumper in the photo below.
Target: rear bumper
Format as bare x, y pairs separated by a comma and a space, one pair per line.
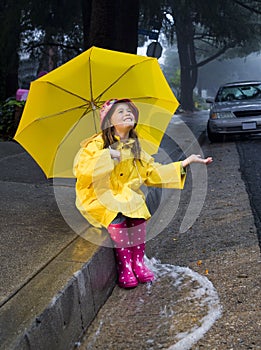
234, 126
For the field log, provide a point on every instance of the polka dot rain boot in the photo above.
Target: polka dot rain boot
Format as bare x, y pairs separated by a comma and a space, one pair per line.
123, 255
137, 233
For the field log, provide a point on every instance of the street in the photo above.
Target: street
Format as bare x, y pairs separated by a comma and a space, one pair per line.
250, 167
210, 296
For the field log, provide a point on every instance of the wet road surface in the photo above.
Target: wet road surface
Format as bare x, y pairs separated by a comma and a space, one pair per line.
250, 166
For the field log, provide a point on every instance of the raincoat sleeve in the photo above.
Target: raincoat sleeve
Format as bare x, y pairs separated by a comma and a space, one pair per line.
92, 163
171, 175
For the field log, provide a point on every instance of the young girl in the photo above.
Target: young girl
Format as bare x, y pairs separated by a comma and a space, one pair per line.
110, 169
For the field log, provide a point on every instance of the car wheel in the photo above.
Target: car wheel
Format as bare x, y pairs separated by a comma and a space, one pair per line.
213, 137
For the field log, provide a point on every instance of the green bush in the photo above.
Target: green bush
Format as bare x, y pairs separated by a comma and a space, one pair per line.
10, 114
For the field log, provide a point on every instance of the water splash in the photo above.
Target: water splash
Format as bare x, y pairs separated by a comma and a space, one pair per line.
205, 295
174, 312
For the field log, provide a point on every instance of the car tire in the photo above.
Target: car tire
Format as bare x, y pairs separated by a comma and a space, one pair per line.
213, 137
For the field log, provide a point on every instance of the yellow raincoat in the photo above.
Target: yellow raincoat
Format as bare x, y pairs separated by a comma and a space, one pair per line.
105, 187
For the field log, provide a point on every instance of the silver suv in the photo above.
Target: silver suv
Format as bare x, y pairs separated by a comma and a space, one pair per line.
235, 110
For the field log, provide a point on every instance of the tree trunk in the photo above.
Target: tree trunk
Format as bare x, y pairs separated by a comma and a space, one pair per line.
113, 24
9, 44
86, 19
188, 68
126, 26
102, 25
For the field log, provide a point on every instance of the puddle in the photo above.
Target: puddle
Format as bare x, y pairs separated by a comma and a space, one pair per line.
172, 313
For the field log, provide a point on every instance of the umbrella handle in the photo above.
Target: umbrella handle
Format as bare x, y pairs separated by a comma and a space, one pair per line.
115, 155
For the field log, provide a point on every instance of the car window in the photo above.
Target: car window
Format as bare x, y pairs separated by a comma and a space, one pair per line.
238, 92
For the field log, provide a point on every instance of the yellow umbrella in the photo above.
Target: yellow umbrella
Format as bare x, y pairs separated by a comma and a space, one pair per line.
63, 106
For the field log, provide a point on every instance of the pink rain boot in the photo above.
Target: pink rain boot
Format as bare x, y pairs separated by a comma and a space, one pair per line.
123, 254
137, 233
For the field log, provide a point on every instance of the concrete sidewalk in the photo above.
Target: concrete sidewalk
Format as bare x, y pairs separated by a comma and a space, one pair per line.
53, 282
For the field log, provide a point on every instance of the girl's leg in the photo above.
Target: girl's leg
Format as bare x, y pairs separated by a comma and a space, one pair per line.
123, 254
137, 234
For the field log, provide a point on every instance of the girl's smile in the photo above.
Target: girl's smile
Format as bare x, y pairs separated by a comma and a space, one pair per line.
123, 120
122, 114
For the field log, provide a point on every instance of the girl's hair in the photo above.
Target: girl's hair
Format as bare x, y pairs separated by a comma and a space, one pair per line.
108, 134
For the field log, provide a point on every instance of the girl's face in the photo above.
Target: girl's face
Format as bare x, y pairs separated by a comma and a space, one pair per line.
123, 117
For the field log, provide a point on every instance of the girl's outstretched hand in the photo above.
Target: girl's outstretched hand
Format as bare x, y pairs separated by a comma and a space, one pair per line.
196, 158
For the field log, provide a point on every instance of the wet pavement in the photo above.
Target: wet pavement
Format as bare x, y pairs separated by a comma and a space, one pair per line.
207, 292
204, 252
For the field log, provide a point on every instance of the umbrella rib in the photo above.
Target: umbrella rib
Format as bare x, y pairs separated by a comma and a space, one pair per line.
142, 99
124, 73
67, 135
53, 115
91, 91
71, 130
67, 91
59, 113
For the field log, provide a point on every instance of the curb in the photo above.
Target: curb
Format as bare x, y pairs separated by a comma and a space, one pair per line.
59, 303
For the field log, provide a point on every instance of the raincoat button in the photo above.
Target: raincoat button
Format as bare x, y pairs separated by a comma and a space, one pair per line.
121, 174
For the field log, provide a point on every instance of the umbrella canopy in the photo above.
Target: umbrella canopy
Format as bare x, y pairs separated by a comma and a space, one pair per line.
63, 106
